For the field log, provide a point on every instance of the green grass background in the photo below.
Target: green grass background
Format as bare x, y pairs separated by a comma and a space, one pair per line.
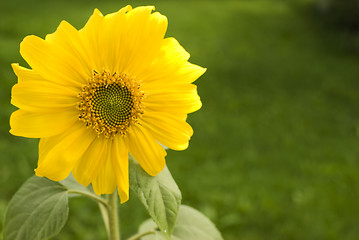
275, 149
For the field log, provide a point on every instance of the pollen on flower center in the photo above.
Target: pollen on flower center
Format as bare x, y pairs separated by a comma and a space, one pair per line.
110, 103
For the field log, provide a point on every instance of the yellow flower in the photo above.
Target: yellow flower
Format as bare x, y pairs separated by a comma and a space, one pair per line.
93, 96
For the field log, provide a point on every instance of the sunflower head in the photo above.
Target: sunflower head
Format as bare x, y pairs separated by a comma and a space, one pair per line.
94, 95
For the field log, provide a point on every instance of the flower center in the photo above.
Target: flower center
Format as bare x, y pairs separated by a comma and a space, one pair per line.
113, 104
110, 103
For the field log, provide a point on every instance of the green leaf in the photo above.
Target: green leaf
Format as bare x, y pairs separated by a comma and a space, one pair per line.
148, 226
191, 225
38, 210
160, 195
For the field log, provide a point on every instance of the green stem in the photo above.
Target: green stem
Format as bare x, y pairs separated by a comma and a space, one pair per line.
92, 196
113, 217
138, 236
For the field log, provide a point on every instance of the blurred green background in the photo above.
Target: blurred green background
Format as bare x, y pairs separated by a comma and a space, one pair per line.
275, 150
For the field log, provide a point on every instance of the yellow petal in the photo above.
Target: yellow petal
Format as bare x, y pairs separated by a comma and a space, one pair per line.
146, 150
90, 36
132, 38
43, 96
178, 98
89, 165
120, 167
170, 130
58, 155
171, 50
105, 183
24, 74
144, 33
67, 37
52, 62
171, 66
112, 36
41, 125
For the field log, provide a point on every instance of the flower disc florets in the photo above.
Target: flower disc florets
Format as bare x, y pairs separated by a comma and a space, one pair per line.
110, 103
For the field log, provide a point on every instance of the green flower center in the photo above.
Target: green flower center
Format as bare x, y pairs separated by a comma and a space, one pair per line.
110, 103
113, 104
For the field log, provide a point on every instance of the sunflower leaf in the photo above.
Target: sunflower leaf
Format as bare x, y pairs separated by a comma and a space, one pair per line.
191, 225
160, 195
38, 210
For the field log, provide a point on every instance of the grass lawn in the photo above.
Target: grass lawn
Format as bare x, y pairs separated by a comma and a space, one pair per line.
275, 150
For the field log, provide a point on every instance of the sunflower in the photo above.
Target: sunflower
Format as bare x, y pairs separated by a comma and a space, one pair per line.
93, 96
